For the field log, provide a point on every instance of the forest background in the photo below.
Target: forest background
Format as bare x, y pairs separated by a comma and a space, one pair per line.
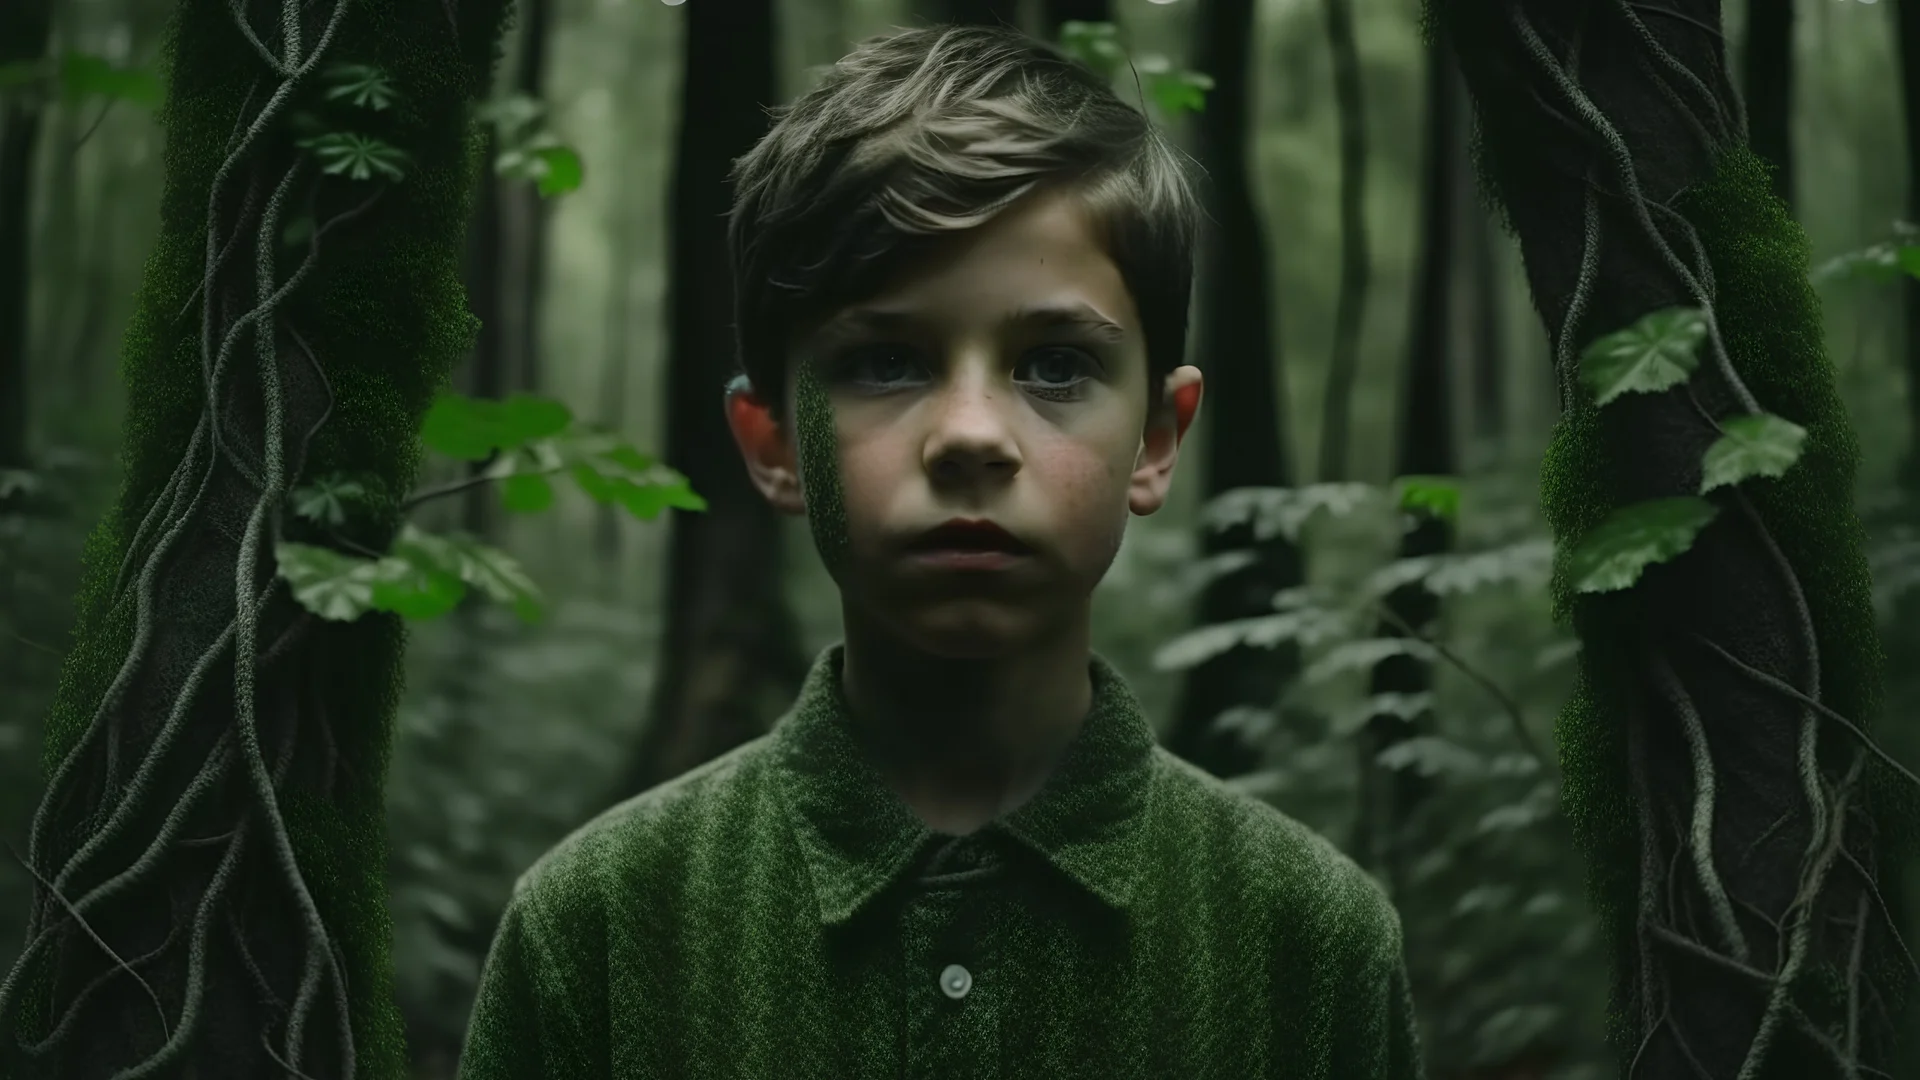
512, 733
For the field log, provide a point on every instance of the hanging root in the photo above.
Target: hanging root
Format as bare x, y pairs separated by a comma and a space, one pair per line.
73, 888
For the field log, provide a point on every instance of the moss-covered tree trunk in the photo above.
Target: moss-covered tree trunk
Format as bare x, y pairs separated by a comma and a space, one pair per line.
211, 845
1715, 776
1242, 423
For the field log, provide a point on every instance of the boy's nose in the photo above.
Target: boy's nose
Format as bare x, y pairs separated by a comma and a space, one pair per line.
971, 434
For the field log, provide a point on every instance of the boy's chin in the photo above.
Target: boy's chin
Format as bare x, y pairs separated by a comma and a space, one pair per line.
968, 630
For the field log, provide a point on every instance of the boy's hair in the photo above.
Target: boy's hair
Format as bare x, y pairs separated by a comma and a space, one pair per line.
933, 130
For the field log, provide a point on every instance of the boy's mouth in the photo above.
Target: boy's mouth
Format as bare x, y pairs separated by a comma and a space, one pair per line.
969, 536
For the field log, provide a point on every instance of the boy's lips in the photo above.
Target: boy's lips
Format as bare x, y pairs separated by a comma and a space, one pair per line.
969, 535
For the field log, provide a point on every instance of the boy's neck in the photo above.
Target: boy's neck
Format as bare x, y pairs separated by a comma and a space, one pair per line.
963, 742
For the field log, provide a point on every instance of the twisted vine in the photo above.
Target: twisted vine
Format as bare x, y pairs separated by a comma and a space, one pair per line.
65, 900
1705, 924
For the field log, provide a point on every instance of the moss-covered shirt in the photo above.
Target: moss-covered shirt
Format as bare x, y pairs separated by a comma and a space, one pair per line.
780, 913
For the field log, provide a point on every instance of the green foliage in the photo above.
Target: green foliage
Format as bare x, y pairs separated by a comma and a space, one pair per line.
1098, 45
73, 78
1437, 496
1753, 446
524, 438
527, 149
1634, 537
472, 429
1656, 353
361, 84
358, 157
1889, 260
1660, 352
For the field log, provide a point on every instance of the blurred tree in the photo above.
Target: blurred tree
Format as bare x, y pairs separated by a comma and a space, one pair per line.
1388, 796
1479, 291
1717, 773
730, 658
506, 259
978, 12
1767, 87
1907, 39
1244, 404
1355, 268
209, 854
1058, 12
24, 29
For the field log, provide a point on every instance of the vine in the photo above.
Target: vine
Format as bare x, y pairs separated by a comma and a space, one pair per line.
323, 140
1657, 358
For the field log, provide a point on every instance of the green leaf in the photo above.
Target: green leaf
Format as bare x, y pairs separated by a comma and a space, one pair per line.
1178, 92
1284, 511
1634, 537
326, 582
1757, 445
1885, 261
325, 499
1659, 351
510, 114
497, 574
559, 170
83, 76
367, 86
1094, 44
1309, 626
414, 588
1431, 755
20, 481
524, 493
471, 428
1438, 496
1363, 655
359, 156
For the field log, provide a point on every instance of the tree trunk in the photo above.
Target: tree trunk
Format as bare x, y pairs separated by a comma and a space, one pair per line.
1245, 442
24, 29
730, 658
1388, 797
1480, 332
1762, 949
1768, 89
1907, 36
217, 755
1355, 272
506, 259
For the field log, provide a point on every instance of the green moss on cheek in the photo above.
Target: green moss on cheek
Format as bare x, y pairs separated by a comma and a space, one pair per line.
820, 470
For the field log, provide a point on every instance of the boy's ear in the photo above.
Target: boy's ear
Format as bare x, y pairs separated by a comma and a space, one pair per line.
765, 447
1167, 423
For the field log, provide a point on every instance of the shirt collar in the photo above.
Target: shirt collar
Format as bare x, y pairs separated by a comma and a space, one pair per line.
857, 836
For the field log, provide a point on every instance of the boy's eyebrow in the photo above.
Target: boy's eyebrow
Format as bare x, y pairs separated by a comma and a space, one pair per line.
881, 321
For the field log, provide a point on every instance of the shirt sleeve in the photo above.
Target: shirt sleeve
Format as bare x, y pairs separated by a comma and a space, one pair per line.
1382, 1040
525, 1023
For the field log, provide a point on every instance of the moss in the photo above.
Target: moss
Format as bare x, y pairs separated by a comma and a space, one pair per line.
1770, 320
385, 312
820, 469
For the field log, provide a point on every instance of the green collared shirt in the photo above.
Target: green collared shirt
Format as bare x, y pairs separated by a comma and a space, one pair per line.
780, 913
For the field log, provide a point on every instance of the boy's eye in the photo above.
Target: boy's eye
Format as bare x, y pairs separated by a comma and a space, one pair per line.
879, 366
1057, 368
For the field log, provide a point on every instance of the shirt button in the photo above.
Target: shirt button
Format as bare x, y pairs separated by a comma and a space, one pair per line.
956, 981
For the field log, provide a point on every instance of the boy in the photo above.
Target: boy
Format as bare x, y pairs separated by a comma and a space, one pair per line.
962, 270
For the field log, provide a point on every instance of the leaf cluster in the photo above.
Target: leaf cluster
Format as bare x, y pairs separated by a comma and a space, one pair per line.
521, 441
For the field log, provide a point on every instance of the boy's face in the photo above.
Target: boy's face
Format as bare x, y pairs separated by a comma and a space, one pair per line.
1002, 378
